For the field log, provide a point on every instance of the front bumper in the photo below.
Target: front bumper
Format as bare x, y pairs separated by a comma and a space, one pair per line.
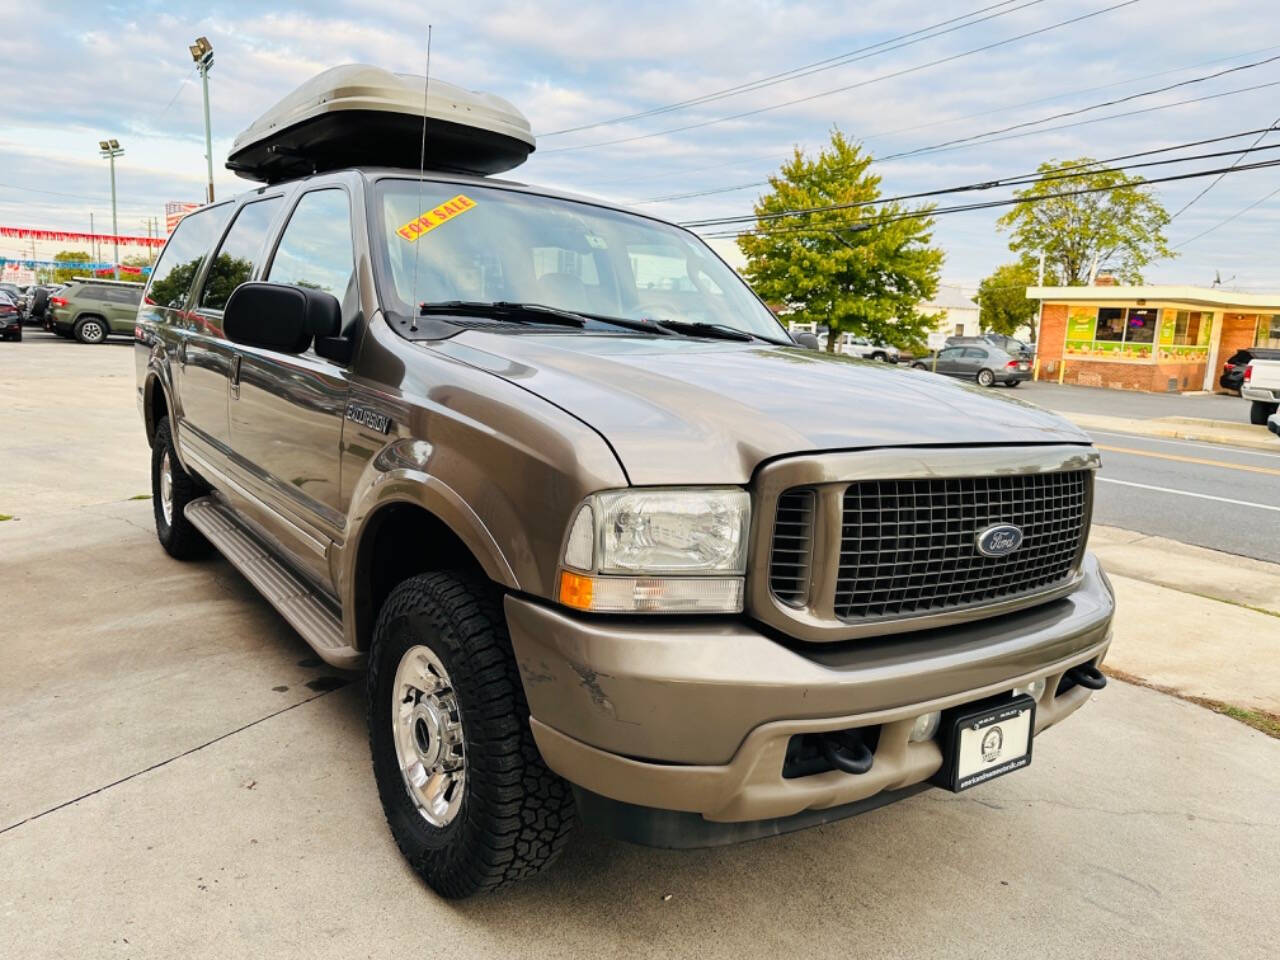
696, 715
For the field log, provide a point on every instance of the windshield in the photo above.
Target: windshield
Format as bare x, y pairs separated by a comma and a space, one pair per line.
473, 243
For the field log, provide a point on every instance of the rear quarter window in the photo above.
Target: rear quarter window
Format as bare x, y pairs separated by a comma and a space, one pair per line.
179, 265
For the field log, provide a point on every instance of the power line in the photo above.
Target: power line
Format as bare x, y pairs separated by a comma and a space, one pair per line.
993, 136
1062, 173
879, 134
853, 86
1183, 209
857, 225
1223, 223
807, 69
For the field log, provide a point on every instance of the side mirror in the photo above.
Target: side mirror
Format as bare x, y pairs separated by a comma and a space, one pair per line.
279, 317
807, 340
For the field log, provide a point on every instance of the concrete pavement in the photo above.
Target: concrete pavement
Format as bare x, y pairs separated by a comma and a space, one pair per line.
183, 778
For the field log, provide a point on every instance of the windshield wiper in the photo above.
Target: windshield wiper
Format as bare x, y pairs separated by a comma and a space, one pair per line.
504, 310
721, 331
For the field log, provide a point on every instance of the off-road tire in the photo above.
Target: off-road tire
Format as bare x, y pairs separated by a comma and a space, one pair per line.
1259, 410
986, 378
180, 539
91, 330
516, 815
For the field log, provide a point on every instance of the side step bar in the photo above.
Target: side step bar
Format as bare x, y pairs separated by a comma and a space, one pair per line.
300, 604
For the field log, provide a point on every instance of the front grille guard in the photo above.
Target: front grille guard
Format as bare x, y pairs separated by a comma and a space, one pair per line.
812, 613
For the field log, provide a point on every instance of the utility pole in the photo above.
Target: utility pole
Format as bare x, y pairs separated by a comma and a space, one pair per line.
93, 240
202, 54
112, 149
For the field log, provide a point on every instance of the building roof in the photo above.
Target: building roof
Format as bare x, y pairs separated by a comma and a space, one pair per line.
1198, 296
950, 297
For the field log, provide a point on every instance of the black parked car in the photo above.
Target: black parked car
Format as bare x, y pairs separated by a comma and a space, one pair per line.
10, 318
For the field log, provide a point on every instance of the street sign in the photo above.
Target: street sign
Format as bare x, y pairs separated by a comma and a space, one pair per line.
937, 340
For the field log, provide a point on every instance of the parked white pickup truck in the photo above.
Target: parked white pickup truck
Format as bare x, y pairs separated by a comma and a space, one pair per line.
1261, 386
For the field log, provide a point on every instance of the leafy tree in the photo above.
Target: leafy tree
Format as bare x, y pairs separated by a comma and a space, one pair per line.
63, 274
847, 269
1003, 306
1122, 228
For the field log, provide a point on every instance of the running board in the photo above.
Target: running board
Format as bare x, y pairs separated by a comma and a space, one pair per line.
296, 601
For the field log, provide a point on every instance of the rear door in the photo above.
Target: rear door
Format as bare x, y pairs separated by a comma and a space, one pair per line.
207, 370
287, 410
198, 366
975, 358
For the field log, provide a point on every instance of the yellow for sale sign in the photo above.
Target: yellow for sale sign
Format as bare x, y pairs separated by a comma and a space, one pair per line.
428, 220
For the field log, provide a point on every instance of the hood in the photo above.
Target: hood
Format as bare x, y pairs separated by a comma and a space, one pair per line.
681, 411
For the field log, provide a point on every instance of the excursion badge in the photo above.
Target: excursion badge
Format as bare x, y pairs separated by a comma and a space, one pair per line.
366, 417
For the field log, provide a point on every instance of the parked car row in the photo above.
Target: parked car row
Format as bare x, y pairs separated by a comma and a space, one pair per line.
10, 317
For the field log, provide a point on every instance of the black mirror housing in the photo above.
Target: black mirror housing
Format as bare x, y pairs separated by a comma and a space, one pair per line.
276, 316
807, 340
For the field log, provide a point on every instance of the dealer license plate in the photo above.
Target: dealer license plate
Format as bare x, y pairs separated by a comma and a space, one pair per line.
1024, 366
988, 741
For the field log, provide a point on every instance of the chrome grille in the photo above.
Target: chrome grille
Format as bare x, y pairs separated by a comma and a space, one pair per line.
792, 549
909, 547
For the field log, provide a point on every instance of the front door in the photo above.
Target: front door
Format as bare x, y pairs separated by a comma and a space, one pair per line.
287, 409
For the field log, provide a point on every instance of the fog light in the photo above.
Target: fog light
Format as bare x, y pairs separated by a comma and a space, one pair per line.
925, 727
1034, 689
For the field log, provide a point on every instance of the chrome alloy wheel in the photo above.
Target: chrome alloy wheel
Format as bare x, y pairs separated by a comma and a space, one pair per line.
427, 729
166, 488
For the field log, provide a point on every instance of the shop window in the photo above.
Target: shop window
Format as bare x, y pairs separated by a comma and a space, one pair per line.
1110, 324
1268, 331
1140, 325
1187, 325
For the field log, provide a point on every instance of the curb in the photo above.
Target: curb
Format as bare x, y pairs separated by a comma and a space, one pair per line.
1234, 435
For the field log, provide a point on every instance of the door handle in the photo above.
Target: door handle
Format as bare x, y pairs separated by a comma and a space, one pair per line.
235, 377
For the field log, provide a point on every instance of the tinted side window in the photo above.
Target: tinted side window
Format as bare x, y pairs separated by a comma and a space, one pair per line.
239, 252
176, 270
315, 250
976, 353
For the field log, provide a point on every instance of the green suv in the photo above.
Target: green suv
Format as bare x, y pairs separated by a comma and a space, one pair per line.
92, 310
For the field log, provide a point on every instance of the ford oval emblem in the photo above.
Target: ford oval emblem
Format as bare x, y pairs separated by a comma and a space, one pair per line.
1000, 540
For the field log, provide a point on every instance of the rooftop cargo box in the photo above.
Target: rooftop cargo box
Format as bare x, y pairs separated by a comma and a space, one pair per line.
358, 114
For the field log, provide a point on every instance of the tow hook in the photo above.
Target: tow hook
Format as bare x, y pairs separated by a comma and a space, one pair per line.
845, 751
1086, 675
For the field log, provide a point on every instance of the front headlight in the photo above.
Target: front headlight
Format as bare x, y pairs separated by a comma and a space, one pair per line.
658, 551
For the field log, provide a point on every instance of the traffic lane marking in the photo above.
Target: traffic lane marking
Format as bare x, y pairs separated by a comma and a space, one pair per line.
1198, 444
1202, 461
1188, 493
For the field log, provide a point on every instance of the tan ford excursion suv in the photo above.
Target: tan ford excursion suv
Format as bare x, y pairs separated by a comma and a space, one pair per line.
612, 546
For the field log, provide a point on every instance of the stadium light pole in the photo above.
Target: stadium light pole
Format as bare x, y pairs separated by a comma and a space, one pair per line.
202, 54
112, 149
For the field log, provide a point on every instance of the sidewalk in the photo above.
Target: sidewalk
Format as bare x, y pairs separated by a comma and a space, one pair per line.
1201, 623
1182, 428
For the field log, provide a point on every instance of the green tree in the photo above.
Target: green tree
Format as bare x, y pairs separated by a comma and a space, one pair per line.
61, 274
1003, 306
1120, 227
847, 269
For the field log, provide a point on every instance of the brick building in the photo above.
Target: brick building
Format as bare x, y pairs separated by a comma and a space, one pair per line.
1155, 338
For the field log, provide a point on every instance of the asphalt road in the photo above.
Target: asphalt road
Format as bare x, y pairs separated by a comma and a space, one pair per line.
1202, 493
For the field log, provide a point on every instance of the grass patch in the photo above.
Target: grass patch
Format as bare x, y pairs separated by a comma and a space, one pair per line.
141, 496
1262, 720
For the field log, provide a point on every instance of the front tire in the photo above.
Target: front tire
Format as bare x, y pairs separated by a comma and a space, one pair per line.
469, 801
90, 330
172, 489
1259, 410
986, 378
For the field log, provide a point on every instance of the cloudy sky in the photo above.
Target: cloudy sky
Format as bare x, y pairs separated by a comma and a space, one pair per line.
76, 74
